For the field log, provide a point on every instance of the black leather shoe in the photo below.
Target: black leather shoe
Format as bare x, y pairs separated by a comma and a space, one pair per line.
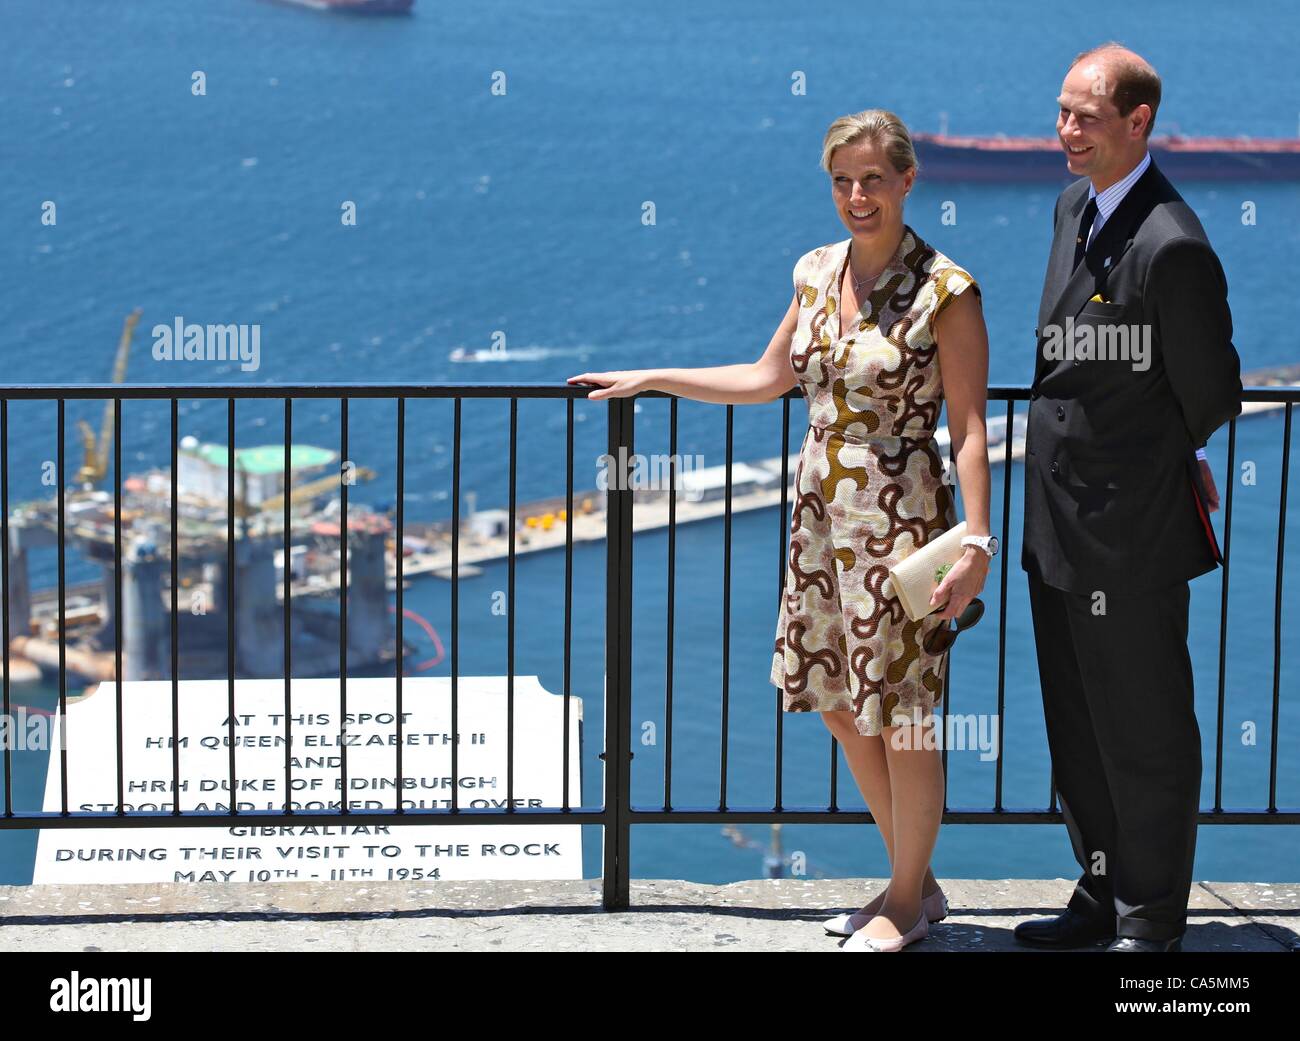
1134, 943
1069, 929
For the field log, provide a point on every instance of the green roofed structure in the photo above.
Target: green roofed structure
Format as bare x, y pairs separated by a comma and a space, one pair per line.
202, 468
265, 459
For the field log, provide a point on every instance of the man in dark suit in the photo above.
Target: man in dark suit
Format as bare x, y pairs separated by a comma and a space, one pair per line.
1135, 370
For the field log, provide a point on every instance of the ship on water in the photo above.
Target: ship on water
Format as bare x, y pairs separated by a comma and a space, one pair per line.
357, 6
1001, 159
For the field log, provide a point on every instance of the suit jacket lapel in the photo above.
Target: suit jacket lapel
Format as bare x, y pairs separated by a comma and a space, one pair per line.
1058, 273
1060, 259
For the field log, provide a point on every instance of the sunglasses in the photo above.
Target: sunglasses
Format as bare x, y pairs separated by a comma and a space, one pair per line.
939, 640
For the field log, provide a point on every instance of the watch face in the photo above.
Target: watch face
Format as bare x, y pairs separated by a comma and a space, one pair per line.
993, 544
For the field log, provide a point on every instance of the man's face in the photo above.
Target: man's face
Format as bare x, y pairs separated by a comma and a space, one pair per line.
1098, 141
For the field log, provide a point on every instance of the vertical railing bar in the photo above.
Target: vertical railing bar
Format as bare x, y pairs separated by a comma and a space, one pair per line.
398, 553
1223, 616
455, 607
726, 615
943, 754
63, 631
1277, 609
1002, 597
616, 881
510, 614
833, 803
343, 601
4, 608
117, 596
727, 547
672, 597
568, 593
175, 619
951, 475
780, 591
231, 466
287, 577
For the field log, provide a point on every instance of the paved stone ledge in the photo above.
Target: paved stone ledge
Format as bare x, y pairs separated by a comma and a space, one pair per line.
666, 915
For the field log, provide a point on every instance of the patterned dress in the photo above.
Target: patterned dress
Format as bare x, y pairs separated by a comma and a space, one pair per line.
869, 488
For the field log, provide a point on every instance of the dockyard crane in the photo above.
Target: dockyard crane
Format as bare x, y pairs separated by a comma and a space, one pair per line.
304, 492
95, 452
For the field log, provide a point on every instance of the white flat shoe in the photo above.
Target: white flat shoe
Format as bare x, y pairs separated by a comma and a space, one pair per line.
934, 906
860, 941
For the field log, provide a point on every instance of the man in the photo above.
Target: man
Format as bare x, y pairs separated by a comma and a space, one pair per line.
1135, 370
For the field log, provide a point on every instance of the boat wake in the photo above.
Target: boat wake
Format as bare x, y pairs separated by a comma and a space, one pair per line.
493, 354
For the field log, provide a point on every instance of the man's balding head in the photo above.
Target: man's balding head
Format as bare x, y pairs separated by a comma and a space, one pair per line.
1125, 77
1107, 107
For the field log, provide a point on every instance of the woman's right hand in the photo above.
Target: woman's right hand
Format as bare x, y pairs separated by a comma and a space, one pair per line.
621, 384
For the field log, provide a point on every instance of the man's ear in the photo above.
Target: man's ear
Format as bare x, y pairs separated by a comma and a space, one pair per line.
1141, 117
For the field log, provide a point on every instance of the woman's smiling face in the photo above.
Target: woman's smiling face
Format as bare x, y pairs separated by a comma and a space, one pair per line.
867, 190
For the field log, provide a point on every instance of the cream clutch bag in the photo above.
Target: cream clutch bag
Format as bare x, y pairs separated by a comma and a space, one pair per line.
917, 575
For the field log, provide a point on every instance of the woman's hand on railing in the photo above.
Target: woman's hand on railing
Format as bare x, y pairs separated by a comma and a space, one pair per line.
621, 384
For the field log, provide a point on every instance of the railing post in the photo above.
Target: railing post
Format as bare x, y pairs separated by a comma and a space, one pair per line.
618, 657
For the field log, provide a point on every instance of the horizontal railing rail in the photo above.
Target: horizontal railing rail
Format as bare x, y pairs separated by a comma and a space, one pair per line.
616, 813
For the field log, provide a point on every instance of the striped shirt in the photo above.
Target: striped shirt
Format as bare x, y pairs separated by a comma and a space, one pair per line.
1109, 200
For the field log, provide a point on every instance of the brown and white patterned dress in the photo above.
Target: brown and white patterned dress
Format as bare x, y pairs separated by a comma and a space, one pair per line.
869, 488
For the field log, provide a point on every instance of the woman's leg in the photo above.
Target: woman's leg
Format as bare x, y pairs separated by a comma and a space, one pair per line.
865, 757
916, 786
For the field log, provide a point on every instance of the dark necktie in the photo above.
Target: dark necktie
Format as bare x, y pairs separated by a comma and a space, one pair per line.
1085, 226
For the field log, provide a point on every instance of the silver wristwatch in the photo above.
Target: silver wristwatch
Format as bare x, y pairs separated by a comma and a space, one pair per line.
988, 543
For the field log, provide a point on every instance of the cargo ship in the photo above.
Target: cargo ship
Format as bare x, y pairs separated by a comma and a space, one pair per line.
1001, 159
357, 6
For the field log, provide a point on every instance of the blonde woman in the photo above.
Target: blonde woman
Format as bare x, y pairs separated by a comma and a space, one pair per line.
882, 330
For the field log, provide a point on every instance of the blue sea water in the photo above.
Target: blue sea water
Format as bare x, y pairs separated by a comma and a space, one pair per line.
481, 214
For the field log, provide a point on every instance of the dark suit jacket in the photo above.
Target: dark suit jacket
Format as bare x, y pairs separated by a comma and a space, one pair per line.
1113, 497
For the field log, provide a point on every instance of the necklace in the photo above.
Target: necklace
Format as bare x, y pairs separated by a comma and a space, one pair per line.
859, 283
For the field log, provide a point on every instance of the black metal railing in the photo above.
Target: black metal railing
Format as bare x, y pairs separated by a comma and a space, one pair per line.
616, 814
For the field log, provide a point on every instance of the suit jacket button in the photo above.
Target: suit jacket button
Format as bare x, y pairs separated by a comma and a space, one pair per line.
1060, 412
1055, 468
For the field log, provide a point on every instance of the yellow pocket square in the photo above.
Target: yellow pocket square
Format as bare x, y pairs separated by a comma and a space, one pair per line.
1097, 298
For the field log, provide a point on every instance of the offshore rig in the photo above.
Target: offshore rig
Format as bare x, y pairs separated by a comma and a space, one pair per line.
204, 587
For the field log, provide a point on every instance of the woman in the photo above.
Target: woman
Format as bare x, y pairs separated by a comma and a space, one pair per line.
881, 331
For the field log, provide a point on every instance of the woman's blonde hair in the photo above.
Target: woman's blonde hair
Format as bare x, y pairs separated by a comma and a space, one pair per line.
877, 125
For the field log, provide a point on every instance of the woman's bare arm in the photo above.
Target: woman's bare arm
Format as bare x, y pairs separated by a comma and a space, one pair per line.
964, 364
746, 383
